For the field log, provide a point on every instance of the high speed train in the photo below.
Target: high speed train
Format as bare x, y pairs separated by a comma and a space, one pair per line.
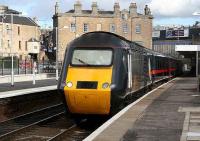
101, 70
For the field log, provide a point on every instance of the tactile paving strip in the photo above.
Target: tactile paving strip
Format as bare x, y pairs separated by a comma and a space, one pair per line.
191, 126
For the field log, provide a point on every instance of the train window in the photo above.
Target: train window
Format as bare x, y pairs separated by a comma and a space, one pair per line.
125, 60
92, 57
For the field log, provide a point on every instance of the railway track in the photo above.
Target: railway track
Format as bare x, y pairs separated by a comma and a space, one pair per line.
29, 118
48, 124
78, 132
54, 128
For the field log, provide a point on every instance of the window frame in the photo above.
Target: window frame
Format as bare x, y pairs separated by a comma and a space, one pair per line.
85, 26
20, 45
18, 30
73, 27
125, 28
138, 29
111, 28
95, 48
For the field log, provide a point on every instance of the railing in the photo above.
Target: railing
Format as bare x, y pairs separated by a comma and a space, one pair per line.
26, 66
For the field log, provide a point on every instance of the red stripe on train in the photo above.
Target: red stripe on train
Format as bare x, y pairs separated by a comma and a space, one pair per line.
162, 71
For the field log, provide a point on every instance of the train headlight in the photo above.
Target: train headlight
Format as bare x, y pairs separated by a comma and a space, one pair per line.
105, 85
69, 84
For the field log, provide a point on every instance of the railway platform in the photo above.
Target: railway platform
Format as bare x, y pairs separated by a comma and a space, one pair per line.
169, 113
25, 87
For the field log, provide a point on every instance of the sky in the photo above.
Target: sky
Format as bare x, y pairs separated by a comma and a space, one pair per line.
165, 12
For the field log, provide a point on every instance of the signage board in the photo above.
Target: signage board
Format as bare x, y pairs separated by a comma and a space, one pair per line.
177, 33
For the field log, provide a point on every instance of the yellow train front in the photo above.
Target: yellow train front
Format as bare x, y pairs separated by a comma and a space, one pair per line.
94, 77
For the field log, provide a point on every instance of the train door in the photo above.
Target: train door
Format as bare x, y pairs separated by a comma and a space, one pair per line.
129, 70
145, 69
136, 65
126, 67
150, 56
153, 67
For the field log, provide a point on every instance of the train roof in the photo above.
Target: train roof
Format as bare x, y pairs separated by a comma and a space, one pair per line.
107, 39
100, 39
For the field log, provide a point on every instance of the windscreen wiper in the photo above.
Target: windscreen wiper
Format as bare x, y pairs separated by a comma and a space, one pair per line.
81, 61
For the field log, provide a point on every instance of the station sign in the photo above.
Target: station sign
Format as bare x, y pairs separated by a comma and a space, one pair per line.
187, 48
177, 33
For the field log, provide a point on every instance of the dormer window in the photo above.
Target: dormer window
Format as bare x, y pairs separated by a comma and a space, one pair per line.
124, 17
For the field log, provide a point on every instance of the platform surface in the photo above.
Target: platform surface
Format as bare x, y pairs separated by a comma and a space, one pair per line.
170, 113
27, 85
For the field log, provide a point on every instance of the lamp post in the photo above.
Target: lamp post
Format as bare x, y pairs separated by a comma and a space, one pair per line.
56, 53
197, 13
11, 47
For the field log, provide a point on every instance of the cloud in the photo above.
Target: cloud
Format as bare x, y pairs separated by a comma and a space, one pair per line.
161, 9
42, 10
104, 4
174, 8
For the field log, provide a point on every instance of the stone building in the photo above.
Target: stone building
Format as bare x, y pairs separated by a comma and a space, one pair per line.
19, 35
127, 23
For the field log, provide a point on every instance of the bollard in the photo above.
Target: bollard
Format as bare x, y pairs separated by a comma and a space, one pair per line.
34, 65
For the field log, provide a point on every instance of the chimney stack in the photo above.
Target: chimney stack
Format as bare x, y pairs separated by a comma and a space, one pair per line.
116, 9
78, 7
56, 8
133, 9
3, 9
147, 10
94, 8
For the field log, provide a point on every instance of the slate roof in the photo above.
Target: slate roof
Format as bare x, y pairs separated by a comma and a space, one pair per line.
90, 11
99, 11
12, 11
17, 18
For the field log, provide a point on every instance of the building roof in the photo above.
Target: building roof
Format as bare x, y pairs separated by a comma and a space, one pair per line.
17, 19
5, 17
11, 11
90, 11
102, 12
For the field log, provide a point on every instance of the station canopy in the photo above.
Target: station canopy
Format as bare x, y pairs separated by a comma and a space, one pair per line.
180, 48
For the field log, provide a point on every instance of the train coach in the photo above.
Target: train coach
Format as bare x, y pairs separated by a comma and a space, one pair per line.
101, 70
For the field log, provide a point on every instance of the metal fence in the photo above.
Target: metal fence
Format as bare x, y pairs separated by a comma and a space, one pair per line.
26, 66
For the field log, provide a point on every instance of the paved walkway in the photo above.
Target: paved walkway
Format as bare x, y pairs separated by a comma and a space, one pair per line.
171, 113
27, 85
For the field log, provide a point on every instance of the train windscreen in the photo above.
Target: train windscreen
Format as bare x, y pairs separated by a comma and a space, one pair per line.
92, 57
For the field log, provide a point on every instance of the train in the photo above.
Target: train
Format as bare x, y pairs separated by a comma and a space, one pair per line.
101, 70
